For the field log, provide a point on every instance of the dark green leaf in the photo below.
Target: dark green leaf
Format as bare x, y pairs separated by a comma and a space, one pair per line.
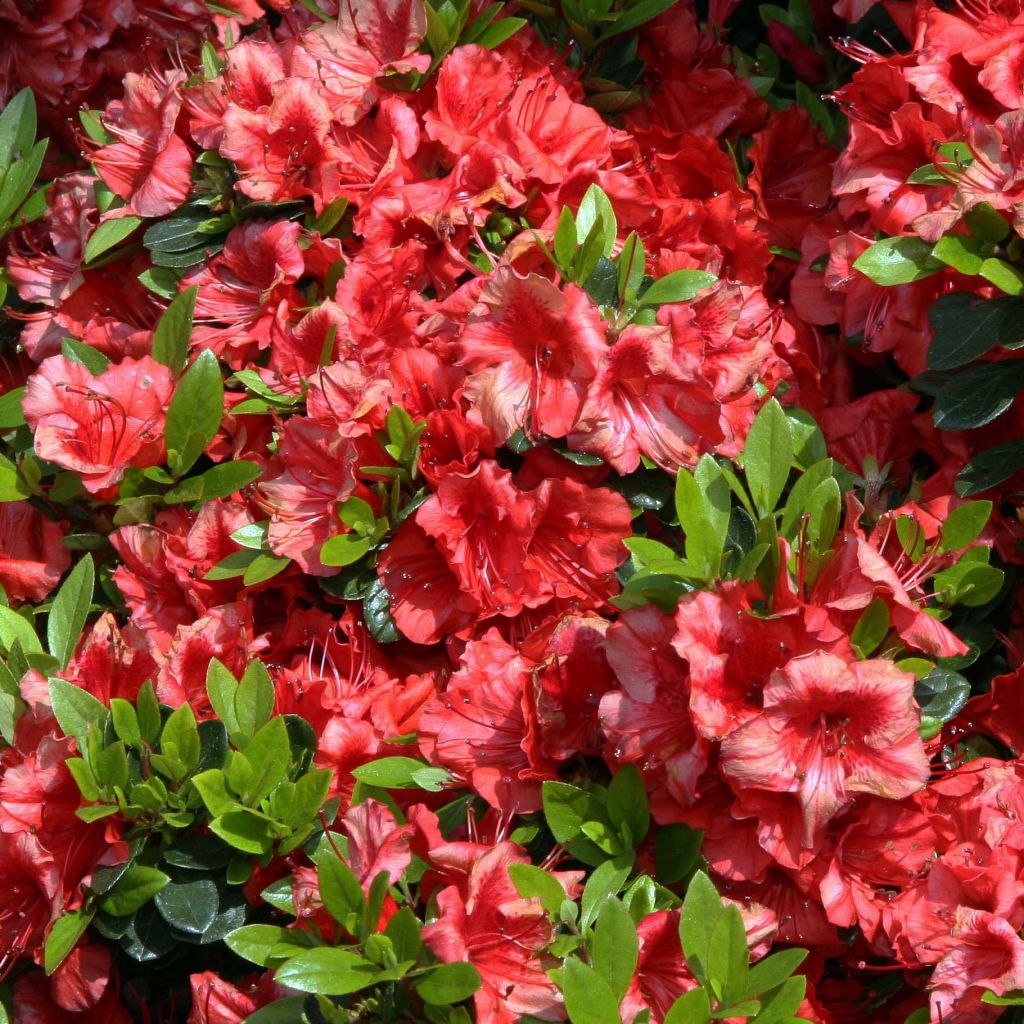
871, 629
377, 613
942, 694
176, 234
978, 395
965, 326
990, 468
190, 906
677, 848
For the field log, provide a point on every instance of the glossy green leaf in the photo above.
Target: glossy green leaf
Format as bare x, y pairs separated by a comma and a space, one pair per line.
893, 261
195, 412
448, 984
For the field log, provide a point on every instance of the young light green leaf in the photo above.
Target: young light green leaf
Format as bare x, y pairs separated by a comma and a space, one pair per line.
69, 610
963, 525
64, 935
594, 207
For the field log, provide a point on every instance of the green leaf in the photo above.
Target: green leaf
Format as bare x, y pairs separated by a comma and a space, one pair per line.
262, 943
691, 1007
340, 891
679, 286
220, 481
773, 970
243, 830
344, 549
965, 326
137, 886
221, 687
780, 1005
702, 910
108, 234
326, 972
631, 266
174, 331
64, 935
728, 956
677, 848
448, 984
14, 628
636, 16
566, 240
627, 804
75, 710
963, 525
17, 128
190, 906
180, 736
78, 352
531, 881
11, 415
942, 694
990, 468
768, 456
978, 395
607, 879
254, 699
566, 808
595, 208
893, 261
614, 949
283, 1011
70, 608
588, 999
961, 252
399, 773
871, 629
377, 613
495, 34
195, 412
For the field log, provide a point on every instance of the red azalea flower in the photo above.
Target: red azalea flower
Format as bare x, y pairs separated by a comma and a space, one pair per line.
148, 165
32, 557
99, 425
490, 926
830, 729
532, 350
483, 726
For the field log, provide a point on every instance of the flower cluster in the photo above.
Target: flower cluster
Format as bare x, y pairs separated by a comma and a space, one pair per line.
489, 519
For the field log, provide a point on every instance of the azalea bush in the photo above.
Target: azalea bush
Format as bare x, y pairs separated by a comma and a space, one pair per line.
511, 512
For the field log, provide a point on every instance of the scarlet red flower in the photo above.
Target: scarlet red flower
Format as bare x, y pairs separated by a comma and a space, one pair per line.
831, 729
99, 425
502, 935
148, 164
32, 558
484, 728
532, 349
